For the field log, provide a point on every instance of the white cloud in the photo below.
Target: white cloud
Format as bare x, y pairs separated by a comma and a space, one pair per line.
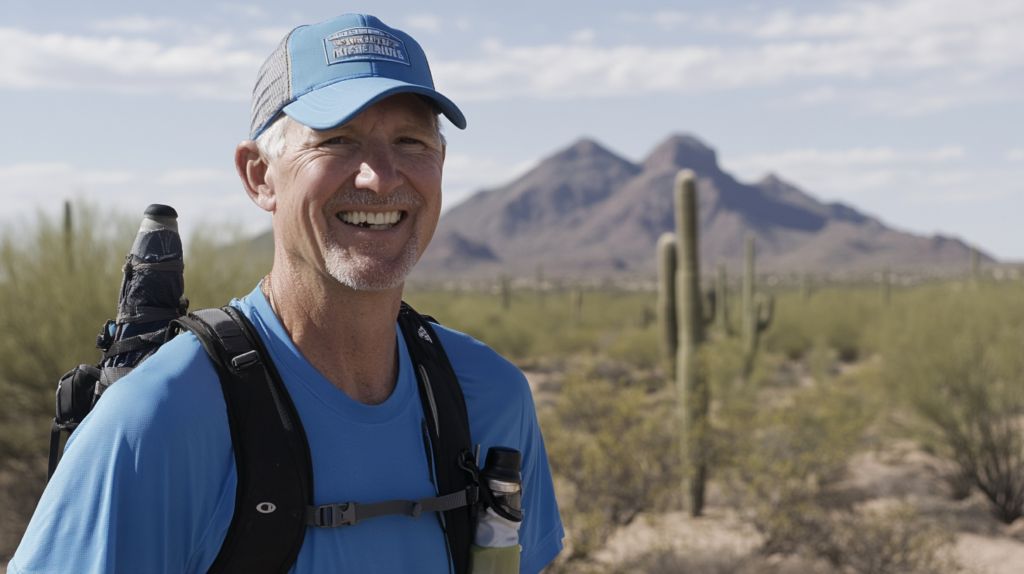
903, 57
424, 22
213, 68
1016, 154
583, 36
868, 175
248, 10
177, 177
136, 24
198, 194
908, 57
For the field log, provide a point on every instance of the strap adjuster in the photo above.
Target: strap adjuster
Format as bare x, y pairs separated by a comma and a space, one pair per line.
334, 515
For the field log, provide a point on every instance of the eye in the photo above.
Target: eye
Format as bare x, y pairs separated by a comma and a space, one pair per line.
334, 141
408, 140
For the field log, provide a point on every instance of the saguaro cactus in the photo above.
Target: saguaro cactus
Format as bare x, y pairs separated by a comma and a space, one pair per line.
576, 307
757, 310
667, 324
682, 320
68, 237
722, 301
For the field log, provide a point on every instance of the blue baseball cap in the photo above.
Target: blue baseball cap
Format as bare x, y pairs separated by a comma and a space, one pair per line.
325, 74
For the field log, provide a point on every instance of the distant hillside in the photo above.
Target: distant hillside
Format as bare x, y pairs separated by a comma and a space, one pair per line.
587, 211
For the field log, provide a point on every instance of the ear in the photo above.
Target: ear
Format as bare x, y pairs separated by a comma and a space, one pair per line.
253, 171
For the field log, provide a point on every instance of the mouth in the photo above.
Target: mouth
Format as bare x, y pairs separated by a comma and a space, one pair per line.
372, 220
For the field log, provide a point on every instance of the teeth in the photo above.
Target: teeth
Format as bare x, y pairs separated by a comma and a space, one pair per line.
372, 220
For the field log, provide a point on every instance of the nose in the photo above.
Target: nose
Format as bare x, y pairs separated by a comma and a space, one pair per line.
377, 172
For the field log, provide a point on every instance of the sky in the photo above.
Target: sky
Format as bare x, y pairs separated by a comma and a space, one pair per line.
911, 111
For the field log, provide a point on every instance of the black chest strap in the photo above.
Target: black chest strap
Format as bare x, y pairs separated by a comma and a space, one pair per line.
274, 498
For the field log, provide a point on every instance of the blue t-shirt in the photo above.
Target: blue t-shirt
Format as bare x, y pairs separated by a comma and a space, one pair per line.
147, 482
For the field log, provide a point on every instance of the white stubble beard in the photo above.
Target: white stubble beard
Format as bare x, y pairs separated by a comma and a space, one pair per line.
361, 267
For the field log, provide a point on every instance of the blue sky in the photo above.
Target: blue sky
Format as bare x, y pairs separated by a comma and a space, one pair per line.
910, 110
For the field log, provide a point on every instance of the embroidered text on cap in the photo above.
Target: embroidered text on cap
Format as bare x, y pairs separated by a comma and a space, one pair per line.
364, 44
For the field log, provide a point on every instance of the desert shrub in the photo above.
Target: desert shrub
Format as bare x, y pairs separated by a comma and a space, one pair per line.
962, 371
842, 319
782, 458
889, 541
221, 264
612, 452
529, 329
57, 288
637, 346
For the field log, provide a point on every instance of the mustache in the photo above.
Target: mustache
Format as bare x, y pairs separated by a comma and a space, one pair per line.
368, 197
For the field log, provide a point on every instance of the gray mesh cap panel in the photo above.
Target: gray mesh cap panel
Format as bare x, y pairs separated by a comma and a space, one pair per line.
273, 89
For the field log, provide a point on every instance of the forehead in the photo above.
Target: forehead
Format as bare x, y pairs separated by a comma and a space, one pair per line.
406, 111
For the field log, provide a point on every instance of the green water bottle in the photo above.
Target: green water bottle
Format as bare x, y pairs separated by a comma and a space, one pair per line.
495, 548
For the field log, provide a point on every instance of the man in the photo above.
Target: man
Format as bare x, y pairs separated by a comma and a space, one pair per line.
348, 158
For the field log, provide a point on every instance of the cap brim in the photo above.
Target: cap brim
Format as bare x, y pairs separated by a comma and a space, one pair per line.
336, 104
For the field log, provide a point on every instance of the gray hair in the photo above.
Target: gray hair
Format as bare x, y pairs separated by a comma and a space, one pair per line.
270, 143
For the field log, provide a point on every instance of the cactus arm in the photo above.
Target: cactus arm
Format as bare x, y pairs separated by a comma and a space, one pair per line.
709, 309
667, 320
765, 311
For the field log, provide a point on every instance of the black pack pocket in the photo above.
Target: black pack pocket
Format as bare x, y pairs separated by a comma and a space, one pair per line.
75, 396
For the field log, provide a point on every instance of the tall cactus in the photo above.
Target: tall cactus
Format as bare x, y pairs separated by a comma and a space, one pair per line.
682, 320
757, 310
667, 324
576, 307
722, 301
68, 237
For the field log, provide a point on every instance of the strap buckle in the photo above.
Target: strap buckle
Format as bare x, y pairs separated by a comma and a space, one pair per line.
334, 515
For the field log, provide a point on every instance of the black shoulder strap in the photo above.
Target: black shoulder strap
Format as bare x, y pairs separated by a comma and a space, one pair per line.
447, 425
274, 498
275, 470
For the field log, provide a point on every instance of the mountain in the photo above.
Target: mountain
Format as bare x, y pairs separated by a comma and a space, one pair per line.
587, 211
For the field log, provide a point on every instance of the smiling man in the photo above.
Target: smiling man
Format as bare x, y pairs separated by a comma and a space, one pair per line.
346, 153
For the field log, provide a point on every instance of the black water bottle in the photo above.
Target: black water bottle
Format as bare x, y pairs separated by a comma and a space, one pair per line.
151, 295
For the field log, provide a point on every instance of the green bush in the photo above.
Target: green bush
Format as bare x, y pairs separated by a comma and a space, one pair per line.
613, 454
783, 456
956, 360
58, 286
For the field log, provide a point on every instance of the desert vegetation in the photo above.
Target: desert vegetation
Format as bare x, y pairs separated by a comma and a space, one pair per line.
845, 380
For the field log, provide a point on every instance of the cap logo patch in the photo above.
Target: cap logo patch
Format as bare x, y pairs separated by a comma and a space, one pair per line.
354, 44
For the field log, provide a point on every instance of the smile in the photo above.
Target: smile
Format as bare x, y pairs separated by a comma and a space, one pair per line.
370, 220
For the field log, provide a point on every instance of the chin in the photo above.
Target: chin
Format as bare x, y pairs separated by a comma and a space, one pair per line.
365, 269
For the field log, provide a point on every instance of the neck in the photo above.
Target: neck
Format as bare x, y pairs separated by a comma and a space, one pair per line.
348, 336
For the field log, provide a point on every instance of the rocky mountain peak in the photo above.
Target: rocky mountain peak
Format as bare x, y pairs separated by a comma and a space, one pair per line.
682, 151
585, 150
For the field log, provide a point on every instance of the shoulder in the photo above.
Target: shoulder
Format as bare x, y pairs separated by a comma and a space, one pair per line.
177, 386
482, 372
158, 440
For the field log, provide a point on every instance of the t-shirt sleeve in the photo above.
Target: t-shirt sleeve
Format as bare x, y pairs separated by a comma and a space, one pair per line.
502, 413
541, 534
147, 481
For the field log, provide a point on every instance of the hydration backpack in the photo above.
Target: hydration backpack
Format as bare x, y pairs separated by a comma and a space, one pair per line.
274, 495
